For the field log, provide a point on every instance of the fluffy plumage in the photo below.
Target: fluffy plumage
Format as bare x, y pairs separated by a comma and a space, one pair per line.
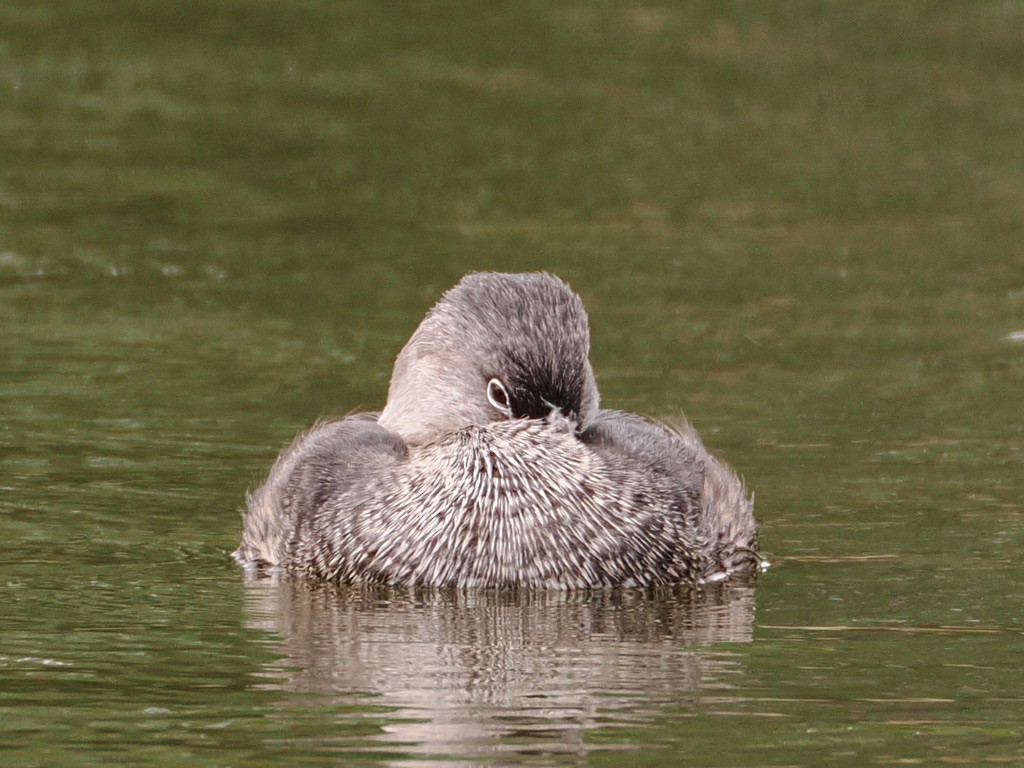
461, 481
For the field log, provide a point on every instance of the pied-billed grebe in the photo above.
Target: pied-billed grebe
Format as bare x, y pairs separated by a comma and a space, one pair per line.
493, 465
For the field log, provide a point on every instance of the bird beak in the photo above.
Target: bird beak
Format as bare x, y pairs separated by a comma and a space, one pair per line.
562, 421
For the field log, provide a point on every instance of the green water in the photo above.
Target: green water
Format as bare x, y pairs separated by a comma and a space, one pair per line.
801, 224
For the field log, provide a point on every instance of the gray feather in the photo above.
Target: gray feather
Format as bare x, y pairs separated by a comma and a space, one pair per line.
443, 488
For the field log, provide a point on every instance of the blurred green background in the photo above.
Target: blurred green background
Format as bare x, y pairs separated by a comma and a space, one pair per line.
800, 223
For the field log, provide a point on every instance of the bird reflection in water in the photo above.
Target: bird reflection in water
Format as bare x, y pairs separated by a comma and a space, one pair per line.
479, 673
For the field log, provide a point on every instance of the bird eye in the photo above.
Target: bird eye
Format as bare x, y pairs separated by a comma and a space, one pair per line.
497, 396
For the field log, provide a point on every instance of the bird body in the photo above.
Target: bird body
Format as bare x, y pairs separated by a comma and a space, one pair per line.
493, 465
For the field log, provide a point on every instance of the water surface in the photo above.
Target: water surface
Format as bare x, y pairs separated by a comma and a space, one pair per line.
219, 221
